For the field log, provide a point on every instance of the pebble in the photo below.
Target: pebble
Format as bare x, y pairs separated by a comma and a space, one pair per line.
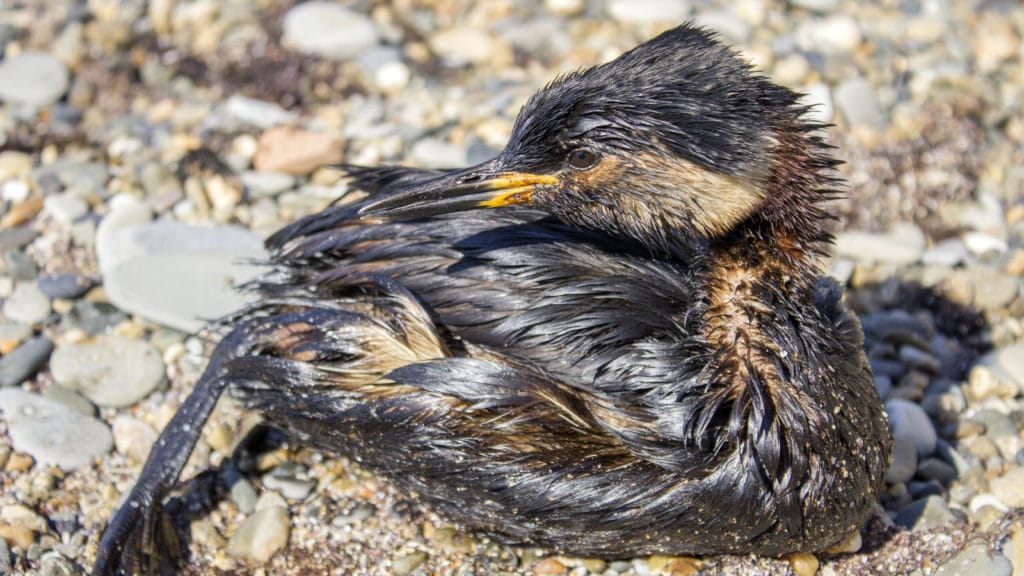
65, 208
260, 535
904, 461
948, 253
460, 46
69, 398
818, 96
857, 100
831, 35
434, 153
327, 29
244, 495
24, 361
258, 113
903, 245
295, 150
1009, 488
133, 438
925, 514
983, 243
33, 79
264, 184
1016, 548
908, 421
112, 371
406, 564
823, 6
51, 432
358, 513
290, 487
1007, 363
565, 7
66, 286
12, 334
993, 289
177, 274
27, 304
648, 11
976, 559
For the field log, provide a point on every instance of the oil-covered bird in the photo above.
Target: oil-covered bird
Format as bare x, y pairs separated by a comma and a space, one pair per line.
612, 339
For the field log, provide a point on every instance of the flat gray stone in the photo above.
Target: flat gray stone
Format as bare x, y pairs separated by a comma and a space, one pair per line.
27, 304
1007, 363
263, 184
51, 432
1009, 487
259, 536
33, 79
179, 275
327, 29
857, 99
648, 11
947, 253
24, 361
258, 113
904, 461
976, 559
66, 286
904, 244
909, 421
113, 371
925, 514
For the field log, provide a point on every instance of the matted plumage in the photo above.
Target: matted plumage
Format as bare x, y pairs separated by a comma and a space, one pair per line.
613, 339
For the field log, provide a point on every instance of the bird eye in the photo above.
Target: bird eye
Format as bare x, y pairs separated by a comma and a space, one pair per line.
582, 159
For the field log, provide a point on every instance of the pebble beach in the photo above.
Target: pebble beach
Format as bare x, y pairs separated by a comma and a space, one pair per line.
148, 147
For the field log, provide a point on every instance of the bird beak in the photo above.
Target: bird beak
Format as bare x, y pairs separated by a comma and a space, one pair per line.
481, 186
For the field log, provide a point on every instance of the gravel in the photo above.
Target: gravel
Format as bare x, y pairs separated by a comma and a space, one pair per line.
146, 149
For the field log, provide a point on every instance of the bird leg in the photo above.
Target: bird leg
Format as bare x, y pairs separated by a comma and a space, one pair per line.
139, 536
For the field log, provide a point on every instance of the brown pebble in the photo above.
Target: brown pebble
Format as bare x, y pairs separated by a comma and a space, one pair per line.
18, 462
295, 151
803, 564
674, 565
21, 212
549, 566
17, 536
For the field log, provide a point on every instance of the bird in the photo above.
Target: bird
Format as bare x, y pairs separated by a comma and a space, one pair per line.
613, 339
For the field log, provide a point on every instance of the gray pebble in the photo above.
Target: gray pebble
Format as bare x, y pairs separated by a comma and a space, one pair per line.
19, 266
936, 469
24, 361
904, 244
816, 5
264, 184
259, 536
32, 79
70, 398
993, 289
16, 238
925, 514
1009, 487
95, 317
1008, 363
5, 557
884, 385
997, 424
648, 11
434, 153
27, 304
176, 274
976, 559
916, 358
113, 371
909, 421
51, 432
904, 461
359, 513
258, 113
857, 100
65, 208
406, 564
14, 332
244, 495
947, 253
289, 487
66, 286
313, 28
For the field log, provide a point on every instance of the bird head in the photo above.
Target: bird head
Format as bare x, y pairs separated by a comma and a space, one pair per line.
677, 138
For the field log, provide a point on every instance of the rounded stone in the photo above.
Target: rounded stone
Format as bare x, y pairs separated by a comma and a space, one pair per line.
259, 536
51, 432
24, 361
113, 371
33, 79
327, 29
909, 421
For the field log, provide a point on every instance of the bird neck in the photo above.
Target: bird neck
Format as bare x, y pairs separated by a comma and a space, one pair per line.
768, 265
